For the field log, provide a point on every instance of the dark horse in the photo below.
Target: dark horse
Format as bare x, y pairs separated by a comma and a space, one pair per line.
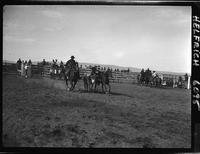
102, 78
156, 81
140, 79
87, 82
71, 75
61, 71
147, 77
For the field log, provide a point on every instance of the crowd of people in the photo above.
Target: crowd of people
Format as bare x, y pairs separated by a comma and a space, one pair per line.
57, 68
60, 68
24, 67
147, 76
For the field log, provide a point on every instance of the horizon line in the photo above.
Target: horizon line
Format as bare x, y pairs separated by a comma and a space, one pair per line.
116, 66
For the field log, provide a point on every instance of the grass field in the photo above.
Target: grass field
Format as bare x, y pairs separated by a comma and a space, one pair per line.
41, 113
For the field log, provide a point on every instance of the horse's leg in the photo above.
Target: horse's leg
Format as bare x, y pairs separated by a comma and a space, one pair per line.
102, 85
109, 88
85, 84
66, 81
88, 85
71, 85
75, 82
95, 87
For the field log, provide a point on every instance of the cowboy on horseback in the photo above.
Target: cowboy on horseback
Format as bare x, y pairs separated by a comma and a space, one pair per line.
71, 64
71, 73
154, 74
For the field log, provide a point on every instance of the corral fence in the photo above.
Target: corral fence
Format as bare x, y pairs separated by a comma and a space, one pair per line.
11, 68
117, 77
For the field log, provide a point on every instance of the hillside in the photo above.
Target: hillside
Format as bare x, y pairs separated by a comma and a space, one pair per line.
132, 69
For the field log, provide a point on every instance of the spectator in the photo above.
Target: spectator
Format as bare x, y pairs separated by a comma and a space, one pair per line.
26, 69
29, 62
180, 81
29, 68
19, 62
43, 62
22, 68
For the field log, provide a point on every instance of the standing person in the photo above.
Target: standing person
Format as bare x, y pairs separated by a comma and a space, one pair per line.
29, 68
29, 62
77, 66
180, 81
60, 70
43, 62
22, 68
26, 69
43, 65
142, 76
56, 67
19, 62
186, 81
52, 69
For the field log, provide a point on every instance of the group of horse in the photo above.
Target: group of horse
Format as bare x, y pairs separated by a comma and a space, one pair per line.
97, 78
147, 78
91, 81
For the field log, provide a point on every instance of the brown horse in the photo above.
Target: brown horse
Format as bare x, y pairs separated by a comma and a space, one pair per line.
156, 81
87, 82
102, 78
71, 75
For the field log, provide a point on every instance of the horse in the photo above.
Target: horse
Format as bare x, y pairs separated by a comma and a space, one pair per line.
103, 79
140, 79
156, 81
53, 72
71, 75
148, 77
87, 82
61, 71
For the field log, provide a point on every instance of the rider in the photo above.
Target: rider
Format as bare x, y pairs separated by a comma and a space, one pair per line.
61, 64
95, 71
71, 64
142, 74
29, 63
154, 74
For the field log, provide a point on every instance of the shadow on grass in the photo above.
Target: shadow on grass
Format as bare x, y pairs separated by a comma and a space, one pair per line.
120, 94
100, 92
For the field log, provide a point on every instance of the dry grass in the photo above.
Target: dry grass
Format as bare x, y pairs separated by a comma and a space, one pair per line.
41, 113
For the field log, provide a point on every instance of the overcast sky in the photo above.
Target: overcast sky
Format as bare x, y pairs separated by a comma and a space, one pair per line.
155, 37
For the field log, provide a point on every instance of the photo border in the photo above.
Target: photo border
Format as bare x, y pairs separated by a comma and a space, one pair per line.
195, 77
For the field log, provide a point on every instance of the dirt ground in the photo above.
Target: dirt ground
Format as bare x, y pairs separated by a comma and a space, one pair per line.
41, 113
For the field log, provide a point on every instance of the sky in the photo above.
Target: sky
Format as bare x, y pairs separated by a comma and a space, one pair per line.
155, 37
